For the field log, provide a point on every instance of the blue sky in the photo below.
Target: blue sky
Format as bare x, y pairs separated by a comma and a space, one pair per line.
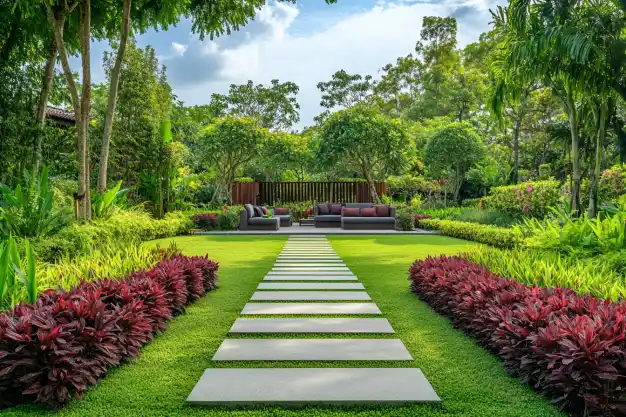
304, 43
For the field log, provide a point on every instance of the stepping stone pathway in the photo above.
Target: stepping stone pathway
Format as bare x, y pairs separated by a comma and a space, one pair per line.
308, 271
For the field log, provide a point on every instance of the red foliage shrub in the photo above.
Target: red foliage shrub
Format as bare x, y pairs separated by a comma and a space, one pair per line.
568, 347
55, 349
418, 217
205, 221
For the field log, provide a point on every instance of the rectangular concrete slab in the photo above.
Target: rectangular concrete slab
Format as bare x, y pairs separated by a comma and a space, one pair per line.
310, 296
309, 261
308, 256
312, 350
305, 265
300, 386
310, 278
310, 268
310, 286
319, 273
312, 325
310, 308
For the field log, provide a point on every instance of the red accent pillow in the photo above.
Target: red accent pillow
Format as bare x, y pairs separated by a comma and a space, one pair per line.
264, 210
368, 212
350, 212
281, 211
382, 210
322, 209
335, 209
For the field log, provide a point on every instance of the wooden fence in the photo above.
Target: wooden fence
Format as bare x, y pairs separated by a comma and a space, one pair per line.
271, 193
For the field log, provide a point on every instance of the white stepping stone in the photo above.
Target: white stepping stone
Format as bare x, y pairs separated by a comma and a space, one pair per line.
312, 350
312, 325
288, 264
300, 386
306, 256
310, 296
310, 286
310, 268
309, 261
320, 273
310, 278
311, 308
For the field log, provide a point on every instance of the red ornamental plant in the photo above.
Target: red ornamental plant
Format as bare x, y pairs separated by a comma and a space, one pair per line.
568, 347
205, 221
55, 349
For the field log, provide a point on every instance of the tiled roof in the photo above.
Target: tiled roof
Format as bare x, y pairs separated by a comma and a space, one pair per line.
57, 113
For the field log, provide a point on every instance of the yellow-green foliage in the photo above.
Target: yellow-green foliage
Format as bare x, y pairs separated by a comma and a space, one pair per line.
532, 199
548, 269
109, 235
492, 235
70, 271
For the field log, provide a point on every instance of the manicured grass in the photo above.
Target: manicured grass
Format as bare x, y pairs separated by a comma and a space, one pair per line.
470, 381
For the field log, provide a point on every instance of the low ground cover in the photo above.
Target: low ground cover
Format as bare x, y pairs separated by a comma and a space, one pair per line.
470, 381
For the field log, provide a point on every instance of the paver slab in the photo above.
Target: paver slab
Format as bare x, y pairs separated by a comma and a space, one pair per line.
299, 386
312, 350
312, 325
311, 308
310, 278
310, 286
307, 265
310, 268
319, 273
308, 261
310, 296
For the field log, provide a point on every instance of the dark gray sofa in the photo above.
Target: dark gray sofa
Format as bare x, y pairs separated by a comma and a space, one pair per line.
368, 223
249, 221
326, 220
285, 219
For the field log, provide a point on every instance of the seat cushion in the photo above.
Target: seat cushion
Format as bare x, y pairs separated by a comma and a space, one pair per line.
368, 220
359, 205
368, 212
322, 209
350, 212
382, 210
335, 209
328, 218
261, 220
283, 216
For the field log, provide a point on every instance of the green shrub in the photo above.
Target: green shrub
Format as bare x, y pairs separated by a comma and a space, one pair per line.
549, 270
109, 235
612, 184
532, 199
18, 278
492, 235
228, 218
449, 213
298, 211
492, 217
404, 220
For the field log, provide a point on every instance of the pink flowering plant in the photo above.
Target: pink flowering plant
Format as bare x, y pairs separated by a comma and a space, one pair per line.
532, 199
612, 184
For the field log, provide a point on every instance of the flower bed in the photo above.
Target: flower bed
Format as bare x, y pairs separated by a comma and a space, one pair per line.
54, 350
531, 199
568, 347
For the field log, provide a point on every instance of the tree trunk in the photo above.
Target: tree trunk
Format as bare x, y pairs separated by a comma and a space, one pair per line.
576, 171
592, 211
516, 131
457, 184
372, 187
46, 85
83, 137
113, 87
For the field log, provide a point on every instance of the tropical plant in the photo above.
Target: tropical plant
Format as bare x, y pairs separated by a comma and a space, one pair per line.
12, 267
29, 211
228, 218
103, 204
530, 199
404, 219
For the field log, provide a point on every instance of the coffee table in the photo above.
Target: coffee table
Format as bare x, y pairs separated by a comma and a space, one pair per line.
307, 222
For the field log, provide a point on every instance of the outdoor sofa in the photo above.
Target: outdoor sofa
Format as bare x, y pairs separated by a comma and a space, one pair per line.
283, 215
327, 215
251, 218
367, 216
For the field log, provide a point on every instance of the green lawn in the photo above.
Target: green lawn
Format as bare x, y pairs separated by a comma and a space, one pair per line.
470, 381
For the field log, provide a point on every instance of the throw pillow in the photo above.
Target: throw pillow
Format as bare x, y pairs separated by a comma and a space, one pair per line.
382, 210
250, 209
258, 211
368, 212
335, 209
280, 211
264, 210
350, 212
322, 209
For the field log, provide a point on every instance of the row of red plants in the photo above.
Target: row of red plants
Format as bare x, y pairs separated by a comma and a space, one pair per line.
568, 347
53, 350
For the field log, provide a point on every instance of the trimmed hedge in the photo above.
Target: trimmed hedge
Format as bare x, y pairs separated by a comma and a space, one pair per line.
491, 235
531, 199
54, 350
112, 234
570, 348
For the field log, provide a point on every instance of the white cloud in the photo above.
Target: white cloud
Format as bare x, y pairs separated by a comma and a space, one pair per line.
179, 48
359, 43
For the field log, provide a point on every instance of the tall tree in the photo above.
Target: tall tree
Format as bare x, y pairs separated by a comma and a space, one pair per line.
346, 90
274, 107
